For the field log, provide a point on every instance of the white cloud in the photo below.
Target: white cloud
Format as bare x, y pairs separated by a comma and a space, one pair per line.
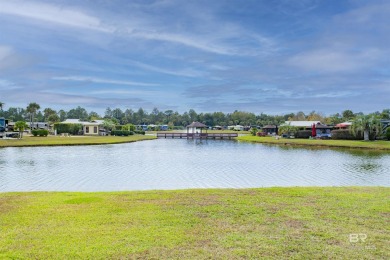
328, 60
52, 14
5, 51
104, 81
180, 72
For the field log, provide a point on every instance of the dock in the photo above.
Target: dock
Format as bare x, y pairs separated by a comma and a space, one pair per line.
197, 135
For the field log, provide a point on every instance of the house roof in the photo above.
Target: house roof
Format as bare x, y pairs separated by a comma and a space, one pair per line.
197, 125
323, 126
72, 121
77, 121
269, 127
344, 124
302, 123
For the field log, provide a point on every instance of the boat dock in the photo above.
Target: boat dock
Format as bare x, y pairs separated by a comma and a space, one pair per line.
198, 135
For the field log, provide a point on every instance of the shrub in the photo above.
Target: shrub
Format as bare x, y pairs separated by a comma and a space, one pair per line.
73, 129
139, 132
261, 134
254, 131
121, 133
303, 134
40, 132
388, 133
345, 134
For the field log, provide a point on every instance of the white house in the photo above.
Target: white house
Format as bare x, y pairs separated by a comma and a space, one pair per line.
304, 124
94, 127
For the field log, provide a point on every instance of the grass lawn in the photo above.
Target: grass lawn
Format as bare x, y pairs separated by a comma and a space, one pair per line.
279, 223
380, 145
74, 140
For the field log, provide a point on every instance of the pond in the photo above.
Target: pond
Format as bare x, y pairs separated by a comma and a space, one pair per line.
183, 164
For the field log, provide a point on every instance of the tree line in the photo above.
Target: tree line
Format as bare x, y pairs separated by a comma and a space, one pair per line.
34, 113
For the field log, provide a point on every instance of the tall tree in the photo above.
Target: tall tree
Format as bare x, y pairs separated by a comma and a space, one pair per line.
78, 113
32, 109
62, 115
368, 124
348, 115
47, 112
1, 106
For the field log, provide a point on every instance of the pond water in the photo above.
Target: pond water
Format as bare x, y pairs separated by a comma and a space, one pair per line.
182, 164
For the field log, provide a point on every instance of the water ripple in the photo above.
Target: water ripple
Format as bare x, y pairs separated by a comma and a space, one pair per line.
180, 164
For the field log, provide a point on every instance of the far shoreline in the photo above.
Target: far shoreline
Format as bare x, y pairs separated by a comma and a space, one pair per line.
352, 144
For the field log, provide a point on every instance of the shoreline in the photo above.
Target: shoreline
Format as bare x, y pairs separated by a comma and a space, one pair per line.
31, 141
346, 144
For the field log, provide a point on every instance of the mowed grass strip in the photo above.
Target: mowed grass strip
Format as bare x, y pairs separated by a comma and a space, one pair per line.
278, 223
73, 140
379, 145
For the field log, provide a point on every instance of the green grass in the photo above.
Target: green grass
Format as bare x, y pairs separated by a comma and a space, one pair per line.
279, 223
380, 145
74, 140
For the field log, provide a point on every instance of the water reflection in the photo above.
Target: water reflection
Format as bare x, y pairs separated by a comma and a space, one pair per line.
182, 163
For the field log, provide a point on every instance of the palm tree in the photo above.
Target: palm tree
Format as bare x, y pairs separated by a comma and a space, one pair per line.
367, 124
32, 109
20, 125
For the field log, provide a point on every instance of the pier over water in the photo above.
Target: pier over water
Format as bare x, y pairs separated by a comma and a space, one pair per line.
198, 135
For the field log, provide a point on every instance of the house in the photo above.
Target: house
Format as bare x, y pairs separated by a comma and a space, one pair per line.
95, 127
302, 124
39, 125
270, 129
321, 129
238, 128
344, 125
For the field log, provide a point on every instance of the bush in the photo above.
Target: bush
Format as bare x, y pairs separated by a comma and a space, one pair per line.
73, 129
345, 134
121, 133
388, 133
139, 132
303, 134
40, 132
254, 131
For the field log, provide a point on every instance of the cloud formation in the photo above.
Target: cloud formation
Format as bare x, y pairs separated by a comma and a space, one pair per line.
260, 56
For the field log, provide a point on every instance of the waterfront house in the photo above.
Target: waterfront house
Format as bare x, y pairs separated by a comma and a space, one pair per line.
270, 129
94, 127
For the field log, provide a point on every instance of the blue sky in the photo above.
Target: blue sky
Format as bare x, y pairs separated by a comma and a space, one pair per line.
271, 56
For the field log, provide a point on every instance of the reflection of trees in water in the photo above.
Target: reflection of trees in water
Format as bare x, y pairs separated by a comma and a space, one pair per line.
357, 152
366, 167
367, 153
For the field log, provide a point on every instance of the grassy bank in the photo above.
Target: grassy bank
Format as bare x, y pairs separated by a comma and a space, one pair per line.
74, 140
300, 223
380, 145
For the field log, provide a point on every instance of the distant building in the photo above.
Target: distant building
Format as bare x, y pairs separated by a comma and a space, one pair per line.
270, 129
95, 127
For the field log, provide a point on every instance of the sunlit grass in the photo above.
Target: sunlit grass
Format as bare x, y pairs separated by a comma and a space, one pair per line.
301, 223
74, 140
381, 145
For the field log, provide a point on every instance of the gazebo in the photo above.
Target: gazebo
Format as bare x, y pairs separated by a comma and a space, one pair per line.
192, 130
